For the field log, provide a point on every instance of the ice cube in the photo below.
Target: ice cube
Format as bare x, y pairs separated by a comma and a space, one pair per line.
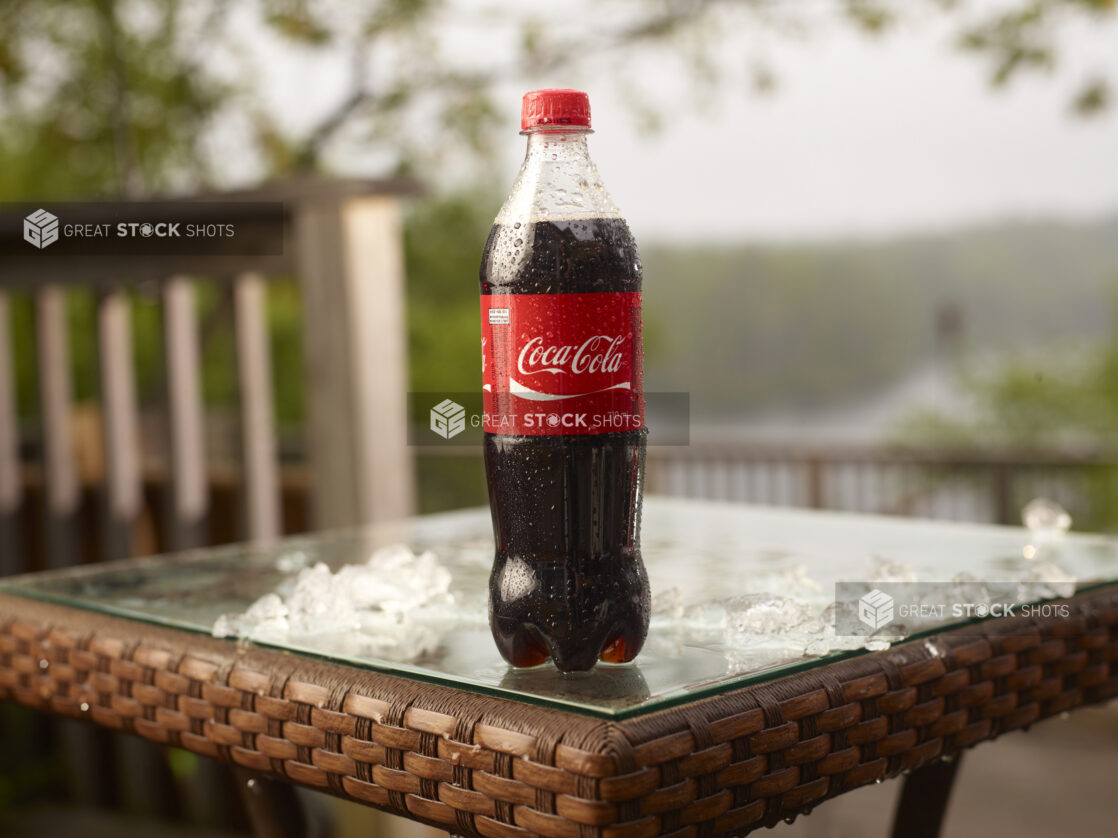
1045, 518
397, 605
668, 603
1045, 580
766, 614
881, 569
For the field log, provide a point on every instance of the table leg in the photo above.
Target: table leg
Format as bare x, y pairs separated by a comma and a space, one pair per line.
923, 803
273, 809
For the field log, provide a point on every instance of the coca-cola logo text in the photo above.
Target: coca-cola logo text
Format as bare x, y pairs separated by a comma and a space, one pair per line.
597, 354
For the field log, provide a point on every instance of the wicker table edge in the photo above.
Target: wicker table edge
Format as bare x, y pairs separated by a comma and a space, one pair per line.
480, 765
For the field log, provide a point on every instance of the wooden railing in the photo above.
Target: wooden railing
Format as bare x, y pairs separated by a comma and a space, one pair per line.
987, 485
343, 243
983, 486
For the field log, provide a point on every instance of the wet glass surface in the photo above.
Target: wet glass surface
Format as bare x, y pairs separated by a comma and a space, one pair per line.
741, 594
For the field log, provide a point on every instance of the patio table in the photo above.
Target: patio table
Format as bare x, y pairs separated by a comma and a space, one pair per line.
734, 717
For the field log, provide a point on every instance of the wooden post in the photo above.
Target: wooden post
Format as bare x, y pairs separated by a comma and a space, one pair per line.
120, 425
61, 492
1003, 493
272, 806
257, 425
11, 476
146, 785
815, 496
86, 751
189, 500
351, 267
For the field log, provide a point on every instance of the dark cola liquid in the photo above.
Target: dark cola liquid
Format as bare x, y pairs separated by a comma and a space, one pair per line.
568, 581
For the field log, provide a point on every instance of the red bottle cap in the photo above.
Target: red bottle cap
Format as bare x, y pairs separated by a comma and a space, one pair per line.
555, 107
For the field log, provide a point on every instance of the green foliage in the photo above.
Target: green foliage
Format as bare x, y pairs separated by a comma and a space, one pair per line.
1024, 37
1049, 402
450, 482
106, 98
1056, 400
110, 109
285, 328
443, 241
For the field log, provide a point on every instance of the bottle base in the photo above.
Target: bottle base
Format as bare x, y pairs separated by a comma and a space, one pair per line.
526, 647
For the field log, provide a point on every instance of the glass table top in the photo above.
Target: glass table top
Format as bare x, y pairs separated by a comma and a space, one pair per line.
741, 594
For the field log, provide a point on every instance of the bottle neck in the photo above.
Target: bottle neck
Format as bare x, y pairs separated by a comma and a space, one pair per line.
557, 180
568, 147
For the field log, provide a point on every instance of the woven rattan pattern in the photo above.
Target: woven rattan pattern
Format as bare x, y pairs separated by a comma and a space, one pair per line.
486, 766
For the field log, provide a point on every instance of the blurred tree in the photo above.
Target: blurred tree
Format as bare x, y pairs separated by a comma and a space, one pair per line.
103, 98
1058, 400
1048, 403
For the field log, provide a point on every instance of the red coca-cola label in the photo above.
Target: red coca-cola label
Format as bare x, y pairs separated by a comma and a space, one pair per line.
556, 364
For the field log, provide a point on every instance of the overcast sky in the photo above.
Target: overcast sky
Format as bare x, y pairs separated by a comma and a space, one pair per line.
865, 137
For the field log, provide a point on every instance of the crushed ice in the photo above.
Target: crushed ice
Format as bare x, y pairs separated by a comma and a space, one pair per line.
800, 620
397, 605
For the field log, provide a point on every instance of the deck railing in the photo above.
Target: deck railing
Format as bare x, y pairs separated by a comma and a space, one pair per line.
987, 485
343, 245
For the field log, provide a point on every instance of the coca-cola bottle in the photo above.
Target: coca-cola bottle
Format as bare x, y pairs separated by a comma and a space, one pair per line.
562, 367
